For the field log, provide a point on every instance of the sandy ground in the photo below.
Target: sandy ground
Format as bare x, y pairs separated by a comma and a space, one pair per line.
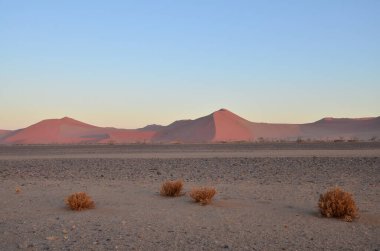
267, 196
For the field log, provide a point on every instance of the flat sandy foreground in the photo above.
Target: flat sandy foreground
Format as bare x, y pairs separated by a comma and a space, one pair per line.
267, 197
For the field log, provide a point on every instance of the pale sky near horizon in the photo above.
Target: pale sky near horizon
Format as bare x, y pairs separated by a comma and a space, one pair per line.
131, 63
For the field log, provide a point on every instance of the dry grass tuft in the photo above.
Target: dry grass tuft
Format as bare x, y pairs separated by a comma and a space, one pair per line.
172, 188
18, 190
79, 201
338, 203
203, 195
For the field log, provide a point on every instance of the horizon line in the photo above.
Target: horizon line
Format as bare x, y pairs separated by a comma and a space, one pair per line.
221, 109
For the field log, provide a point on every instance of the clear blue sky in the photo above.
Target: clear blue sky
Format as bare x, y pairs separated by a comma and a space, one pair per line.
132, 63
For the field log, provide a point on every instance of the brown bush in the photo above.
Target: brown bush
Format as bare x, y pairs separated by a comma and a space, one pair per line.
18, 190
203, 195
338, 203
79, 201
172, 188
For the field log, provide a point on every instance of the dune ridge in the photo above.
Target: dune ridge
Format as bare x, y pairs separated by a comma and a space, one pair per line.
219, 126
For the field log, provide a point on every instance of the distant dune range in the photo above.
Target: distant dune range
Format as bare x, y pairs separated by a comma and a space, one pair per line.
220, 126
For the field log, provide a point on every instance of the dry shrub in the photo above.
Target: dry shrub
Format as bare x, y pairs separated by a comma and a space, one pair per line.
79, 201
338, 203
18, 190
203, 195
172, 188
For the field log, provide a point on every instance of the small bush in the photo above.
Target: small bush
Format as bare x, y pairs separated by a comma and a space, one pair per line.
172, 188
338, 203
79, 201
18, 190
203, 195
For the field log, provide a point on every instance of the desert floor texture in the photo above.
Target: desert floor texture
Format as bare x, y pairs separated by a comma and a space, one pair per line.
267, 197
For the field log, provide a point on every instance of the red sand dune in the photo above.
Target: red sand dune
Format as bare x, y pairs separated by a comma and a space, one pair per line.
49, 131
70, 131
230, 127
225, 126
360, 128
220, 126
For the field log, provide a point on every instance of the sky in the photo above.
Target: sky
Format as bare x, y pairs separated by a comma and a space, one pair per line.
131, 63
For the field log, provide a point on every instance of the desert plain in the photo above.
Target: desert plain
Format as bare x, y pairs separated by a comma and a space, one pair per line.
267, 196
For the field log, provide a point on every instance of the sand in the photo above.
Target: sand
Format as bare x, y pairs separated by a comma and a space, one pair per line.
267, 197
217, 127
70, 131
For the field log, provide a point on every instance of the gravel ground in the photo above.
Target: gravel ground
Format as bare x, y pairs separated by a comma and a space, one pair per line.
263, 203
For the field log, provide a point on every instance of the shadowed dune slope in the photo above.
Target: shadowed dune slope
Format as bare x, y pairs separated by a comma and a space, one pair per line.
198, 130
362, 128
151, 128
4, 133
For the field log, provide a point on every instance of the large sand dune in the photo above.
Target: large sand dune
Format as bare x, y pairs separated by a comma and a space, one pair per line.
70, 131
220, 126
363, 128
